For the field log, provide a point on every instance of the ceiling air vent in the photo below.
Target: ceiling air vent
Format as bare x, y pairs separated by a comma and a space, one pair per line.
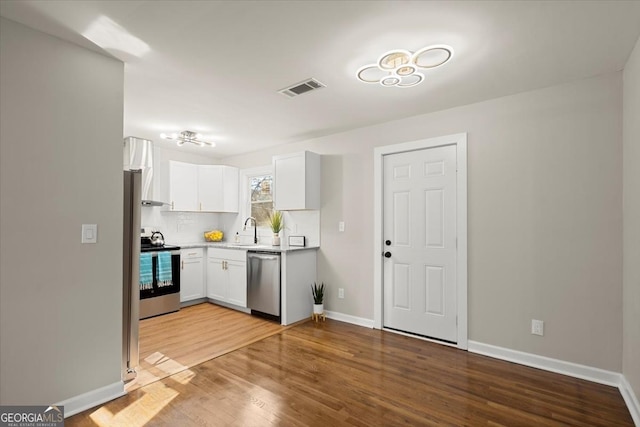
301, 87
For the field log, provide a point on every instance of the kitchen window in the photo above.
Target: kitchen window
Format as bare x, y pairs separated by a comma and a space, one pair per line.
258, 195
261, 198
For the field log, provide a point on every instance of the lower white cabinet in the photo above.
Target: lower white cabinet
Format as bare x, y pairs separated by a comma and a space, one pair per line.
227, 276
191, 274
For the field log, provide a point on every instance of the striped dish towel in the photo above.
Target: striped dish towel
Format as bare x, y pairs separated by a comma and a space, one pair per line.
164, 269
146, 272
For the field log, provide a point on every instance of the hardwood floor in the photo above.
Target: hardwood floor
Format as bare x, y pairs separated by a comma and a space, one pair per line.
333, 373
174, 342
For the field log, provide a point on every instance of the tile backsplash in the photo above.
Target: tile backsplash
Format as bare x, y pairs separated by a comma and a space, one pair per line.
296, 223
180, 227
188, 227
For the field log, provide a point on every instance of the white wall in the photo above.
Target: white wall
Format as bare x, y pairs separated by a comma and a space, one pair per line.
545, 216
61, 110
631, 184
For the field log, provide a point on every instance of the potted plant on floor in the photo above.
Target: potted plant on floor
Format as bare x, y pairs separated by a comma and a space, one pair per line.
318, 298
276, 223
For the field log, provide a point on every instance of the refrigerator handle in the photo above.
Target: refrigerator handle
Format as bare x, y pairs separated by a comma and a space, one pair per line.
131, 273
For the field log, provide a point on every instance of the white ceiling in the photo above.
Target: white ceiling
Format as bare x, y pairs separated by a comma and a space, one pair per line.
215, 67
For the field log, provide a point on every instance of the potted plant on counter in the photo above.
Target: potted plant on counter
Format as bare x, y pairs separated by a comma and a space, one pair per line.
276, 223
318, 298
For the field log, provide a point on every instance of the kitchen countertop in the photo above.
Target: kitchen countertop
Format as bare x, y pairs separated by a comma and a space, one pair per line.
236, 246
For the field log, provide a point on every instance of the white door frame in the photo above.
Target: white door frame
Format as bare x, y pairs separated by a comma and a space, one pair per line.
460, 141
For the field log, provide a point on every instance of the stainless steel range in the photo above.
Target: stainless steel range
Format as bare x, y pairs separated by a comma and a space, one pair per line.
159, 278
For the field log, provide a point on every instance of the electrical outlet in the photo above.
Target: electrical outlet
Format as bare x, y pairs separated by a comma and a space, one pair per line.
537, 327
341, 293
341, 226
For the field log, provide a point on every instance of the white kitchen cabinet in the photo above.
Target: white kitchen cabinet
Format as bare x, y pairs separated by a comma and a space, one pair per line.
209, 184
218, 188
227, 276
296, 181
230, 188
203, 188
191, 274
216, 279
237, 285
183, 186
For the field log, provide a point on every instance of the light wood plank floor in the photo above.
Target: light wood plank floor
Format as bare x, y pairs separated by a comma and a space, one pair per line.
177, 341
333, 374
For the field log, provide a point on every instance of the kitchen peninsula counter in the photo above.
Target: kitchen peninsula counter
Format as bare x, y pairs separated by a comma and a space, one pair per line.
236, 246
297, 273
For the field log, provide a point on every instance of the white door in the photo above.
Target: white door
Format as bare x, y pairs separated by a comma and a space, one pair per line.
419, 232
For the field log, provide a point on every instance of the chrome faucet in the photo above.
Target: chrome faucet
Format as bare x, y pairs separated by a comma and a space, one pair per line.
255, 228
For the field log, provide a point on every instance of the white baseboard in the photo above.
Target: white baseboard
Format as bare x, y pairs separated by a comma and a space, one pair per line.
630, 399
588, 373
347, 318
92, 398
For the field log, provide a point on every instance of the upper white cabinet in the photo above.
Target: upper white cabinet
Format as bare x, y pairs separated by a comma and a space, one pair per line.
183, 186
218, 188
209, 177
203, 188
297, 181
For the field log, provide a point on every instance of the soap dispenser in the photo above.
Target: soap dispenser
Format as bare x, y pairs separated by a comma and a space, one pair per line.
237, 239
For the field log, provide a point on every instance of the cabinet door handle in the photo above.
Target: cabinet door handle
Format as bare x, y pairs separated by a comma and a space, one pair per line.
200, 205
192, 253
172, 205
182, 265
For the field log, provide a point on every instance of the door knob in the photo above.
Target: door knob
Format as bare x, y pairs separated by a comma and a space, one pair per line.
387, 254
387, 242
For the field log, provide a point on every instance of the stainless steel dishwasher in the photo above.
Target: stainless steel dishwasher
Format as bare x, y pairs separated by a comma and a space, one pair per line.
263, 283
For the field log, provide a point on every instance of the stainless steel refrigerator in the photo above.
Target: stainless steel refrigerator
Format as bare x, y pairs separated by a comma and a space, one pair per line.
131, 273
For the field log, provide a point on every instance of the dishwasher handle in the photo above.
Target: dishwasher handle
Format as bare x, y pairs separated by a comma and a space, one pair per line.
264, 255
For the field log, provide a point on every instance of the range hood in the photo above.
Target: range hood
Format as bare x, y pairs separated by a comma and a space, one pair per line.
138, 155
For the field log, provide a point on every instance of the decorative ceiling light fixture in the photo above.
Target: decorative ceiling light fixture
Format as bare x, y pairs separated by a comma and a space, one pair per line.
187, 136
401, 68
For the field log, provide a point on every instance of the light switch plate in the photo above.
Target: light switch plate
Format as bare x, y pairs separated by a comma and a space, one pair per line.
89, 233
